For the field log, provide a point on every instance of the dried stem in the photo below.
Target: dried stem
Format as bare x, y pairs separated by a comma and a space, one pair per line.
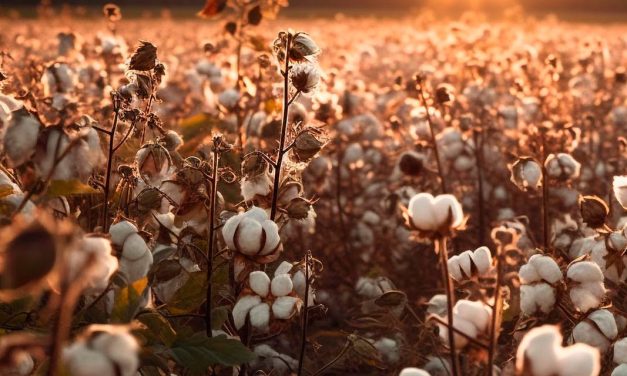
305, 323
498, 302
545, 194
433, 140
479, 159
284, 121
440, 247
211, 240
105, 211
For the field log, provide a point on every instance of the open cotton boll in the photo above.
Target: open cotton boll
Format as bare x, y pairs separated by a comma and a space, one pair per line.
476, 312
429, 214
539, 296
621, 370
83, 361
411, 371
259, 283
281, 285
104, 263
285, 306
620, 351
600, 333
437, 305
260, 316
588, 290
464, 264
579, 360
619, 186
614, 242
242, 308
464, 326
120, 231
546, 268
20, 137
538, 352
260, 185
256, 234
585, 271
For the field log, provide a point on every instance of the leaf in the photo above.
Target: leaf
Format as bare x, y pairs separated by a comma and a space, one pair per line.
212, 8
255, 16
156, 328
219, 315
391, 298
68, 188
128, 301
191, 295
5, 190
198, 352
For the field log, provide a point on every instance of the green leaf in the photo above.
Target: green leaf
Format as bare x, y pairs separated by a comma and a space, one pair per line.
157, 329
128, 301
68, 188
198, 352
191, 295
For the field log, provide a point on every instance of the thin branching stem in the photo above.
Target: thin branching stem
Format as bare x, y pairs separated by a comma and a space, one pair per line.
105, 211
441, 249
284, 123
545, 194
498, 298
305, 323
211, 240
479, 160
433, 139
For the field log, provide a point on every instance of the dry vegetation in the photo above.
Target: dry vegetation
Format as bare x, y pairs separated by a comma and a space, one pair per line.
351, 188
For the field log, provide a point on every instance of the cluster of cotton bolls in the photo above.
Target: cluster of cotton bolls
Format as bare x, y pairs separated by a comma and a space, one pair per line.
269, 300
104, 350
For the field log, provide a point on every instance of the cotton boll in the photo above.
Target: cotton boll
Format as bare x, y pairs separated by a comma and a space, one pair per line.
229, 98
620, 351
104, 263
437, 366
421, 212
585, 271
476, 312
249, 240
586, 332
252, 227
579, 360
539, 351
581, 246
619, 185
621, 370
437, 305
546, 268
82, 361
587, 295
259, 283
281, 285
260, 185
411, 371
121, 349
528, 274
464, 326
242, 308
389, 349
539, 296
120, 231
260, 316
21, 137
284, 307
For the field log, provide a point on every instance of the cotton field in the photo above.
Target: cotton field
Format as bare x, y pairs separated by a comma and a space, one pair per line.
249, 193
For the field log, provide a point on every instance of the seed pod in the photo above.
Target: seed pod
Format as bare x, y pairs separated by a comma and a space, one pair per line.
306, 146
594, 211
298, 208
144, 58
411, 163
148, 199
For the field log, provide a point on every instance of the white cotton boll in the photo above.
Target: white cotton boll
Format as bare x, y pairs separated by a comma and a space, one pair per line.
281, 285
450, 142
621, 370
528, 274
80, 360
283, 268
546, 268
249, 237
454, 268
585, 332
134, 247
105, 264
21, 137
284, 307
259, 283
538, 352
579, 360
260, 185
619, 185
411, 371
137, 269
464, 163
437, 305
585, 271
121, 349
260, 316
229, 228
272, 237
581, 246
421, 212
539, 296
465, 262
242, 308
120, 231
229, 98
388, 348
562, 166
445, 205
620, 351
476, 312
482, 258
464, 326
587, 295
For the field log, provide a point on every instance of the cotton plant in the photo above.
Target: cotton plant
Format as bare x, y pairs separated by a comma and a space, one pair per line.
267, 299
540, 353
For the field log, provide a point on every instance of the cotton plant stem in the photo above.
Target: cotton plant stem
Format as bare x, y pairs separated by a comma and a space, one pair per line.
211, 240
105, 211
284, 121
305, 323
498, 300
440, 245
545, 196
433, 140
479, 160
